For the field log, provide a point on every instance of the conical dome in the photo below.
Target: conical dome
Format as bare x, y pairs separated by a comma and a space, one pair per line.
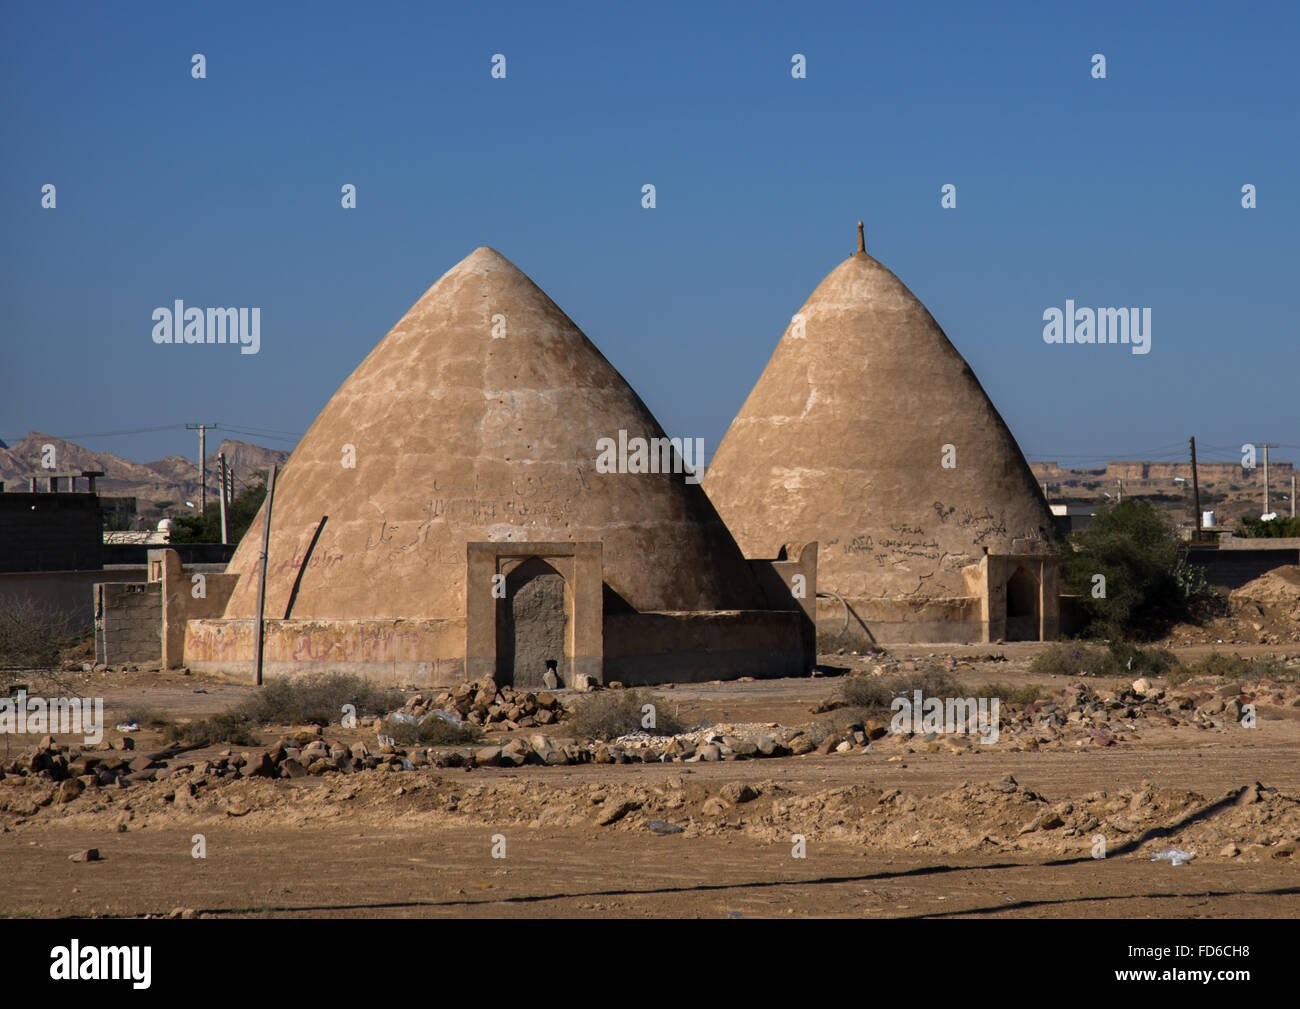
477, 419
869, 433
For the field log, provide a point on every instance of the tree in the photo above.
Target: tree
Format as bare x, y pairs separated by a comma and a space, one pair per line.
205, 527
1148, 587
1268, 528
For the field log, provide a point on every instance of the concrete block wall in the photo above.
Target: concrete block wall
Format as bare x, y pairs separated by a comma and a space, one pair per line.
128, 622
50, 532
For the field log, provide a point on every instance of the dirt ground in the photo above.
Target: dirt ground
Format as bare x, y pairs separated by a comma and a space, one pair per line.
898, 831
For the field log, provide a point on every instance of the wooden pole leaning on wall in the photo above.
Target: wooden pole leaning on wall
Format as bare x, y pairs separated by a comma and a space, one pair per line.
225, 535
261, 574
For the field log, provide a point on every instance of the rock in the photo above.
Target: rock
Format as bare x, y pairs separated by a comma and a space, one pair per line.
844, 747
1249, 794
1141, 686
745, 749
709, 751
767, 746
551, 681
801, 744
737, 792
583, 682
829, 743
714, 806
542, 746
89, 855
616, 811
291, 768
1230, 850
662, 827
487, 756
259, 765
70, 789
141, 764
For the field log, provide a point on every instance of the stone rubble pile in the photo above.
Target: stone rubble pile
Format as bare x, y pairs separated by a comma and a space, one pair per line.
483, 703
1105, 716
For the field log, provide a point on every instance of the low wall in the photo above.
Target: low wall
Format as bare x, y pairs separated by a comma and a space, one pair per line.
187, 595
692, 647
218, 554
790, 583
1232, 567
894, 621
401, 652
67, 592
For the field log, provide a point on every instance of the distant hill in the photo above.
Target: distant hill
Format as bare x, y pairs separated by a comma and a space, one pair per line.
174, 479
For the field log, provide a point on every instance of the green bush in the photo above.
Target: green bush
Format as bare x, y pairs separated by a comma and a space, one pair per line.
205, 526
1271, 529
1149, 585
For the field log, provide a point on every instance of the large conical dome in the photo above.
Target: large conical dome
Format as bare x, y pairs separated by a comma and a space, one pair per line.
460, 435
843, 440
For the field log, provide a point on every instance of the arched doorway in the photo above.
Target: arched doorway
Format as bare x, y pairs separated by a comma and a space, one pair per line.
532, 625
1022, 607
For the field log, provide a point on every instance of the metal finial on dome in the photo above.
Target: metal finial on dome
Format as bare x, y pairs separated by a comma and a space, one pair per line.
862, 243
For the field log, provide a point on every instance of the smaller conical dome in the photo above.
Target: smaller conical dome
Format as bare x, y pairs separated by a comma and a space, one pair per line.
868, 432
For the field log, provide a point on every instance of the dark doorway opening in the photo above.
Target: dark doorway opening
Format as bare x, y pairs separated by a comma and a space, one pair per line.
1022, 607
532, 625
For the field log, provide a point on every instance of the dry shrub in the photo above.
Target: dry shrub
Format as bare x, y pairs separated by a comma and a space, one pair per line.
874, 693
608, 714
431, 730
228, 727
1009, 694
1232, 667
32, 637
318, 699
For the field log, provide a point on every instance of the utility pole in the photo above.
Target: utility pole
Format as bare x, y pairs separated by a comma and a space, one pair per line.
1264, 446
1196, 493
1120, 485
261, 574
1293, 497
221, 459
203, 462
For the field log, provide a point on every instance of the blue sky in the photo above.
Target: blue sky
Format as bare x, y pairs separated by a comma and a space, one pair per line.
225, 191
